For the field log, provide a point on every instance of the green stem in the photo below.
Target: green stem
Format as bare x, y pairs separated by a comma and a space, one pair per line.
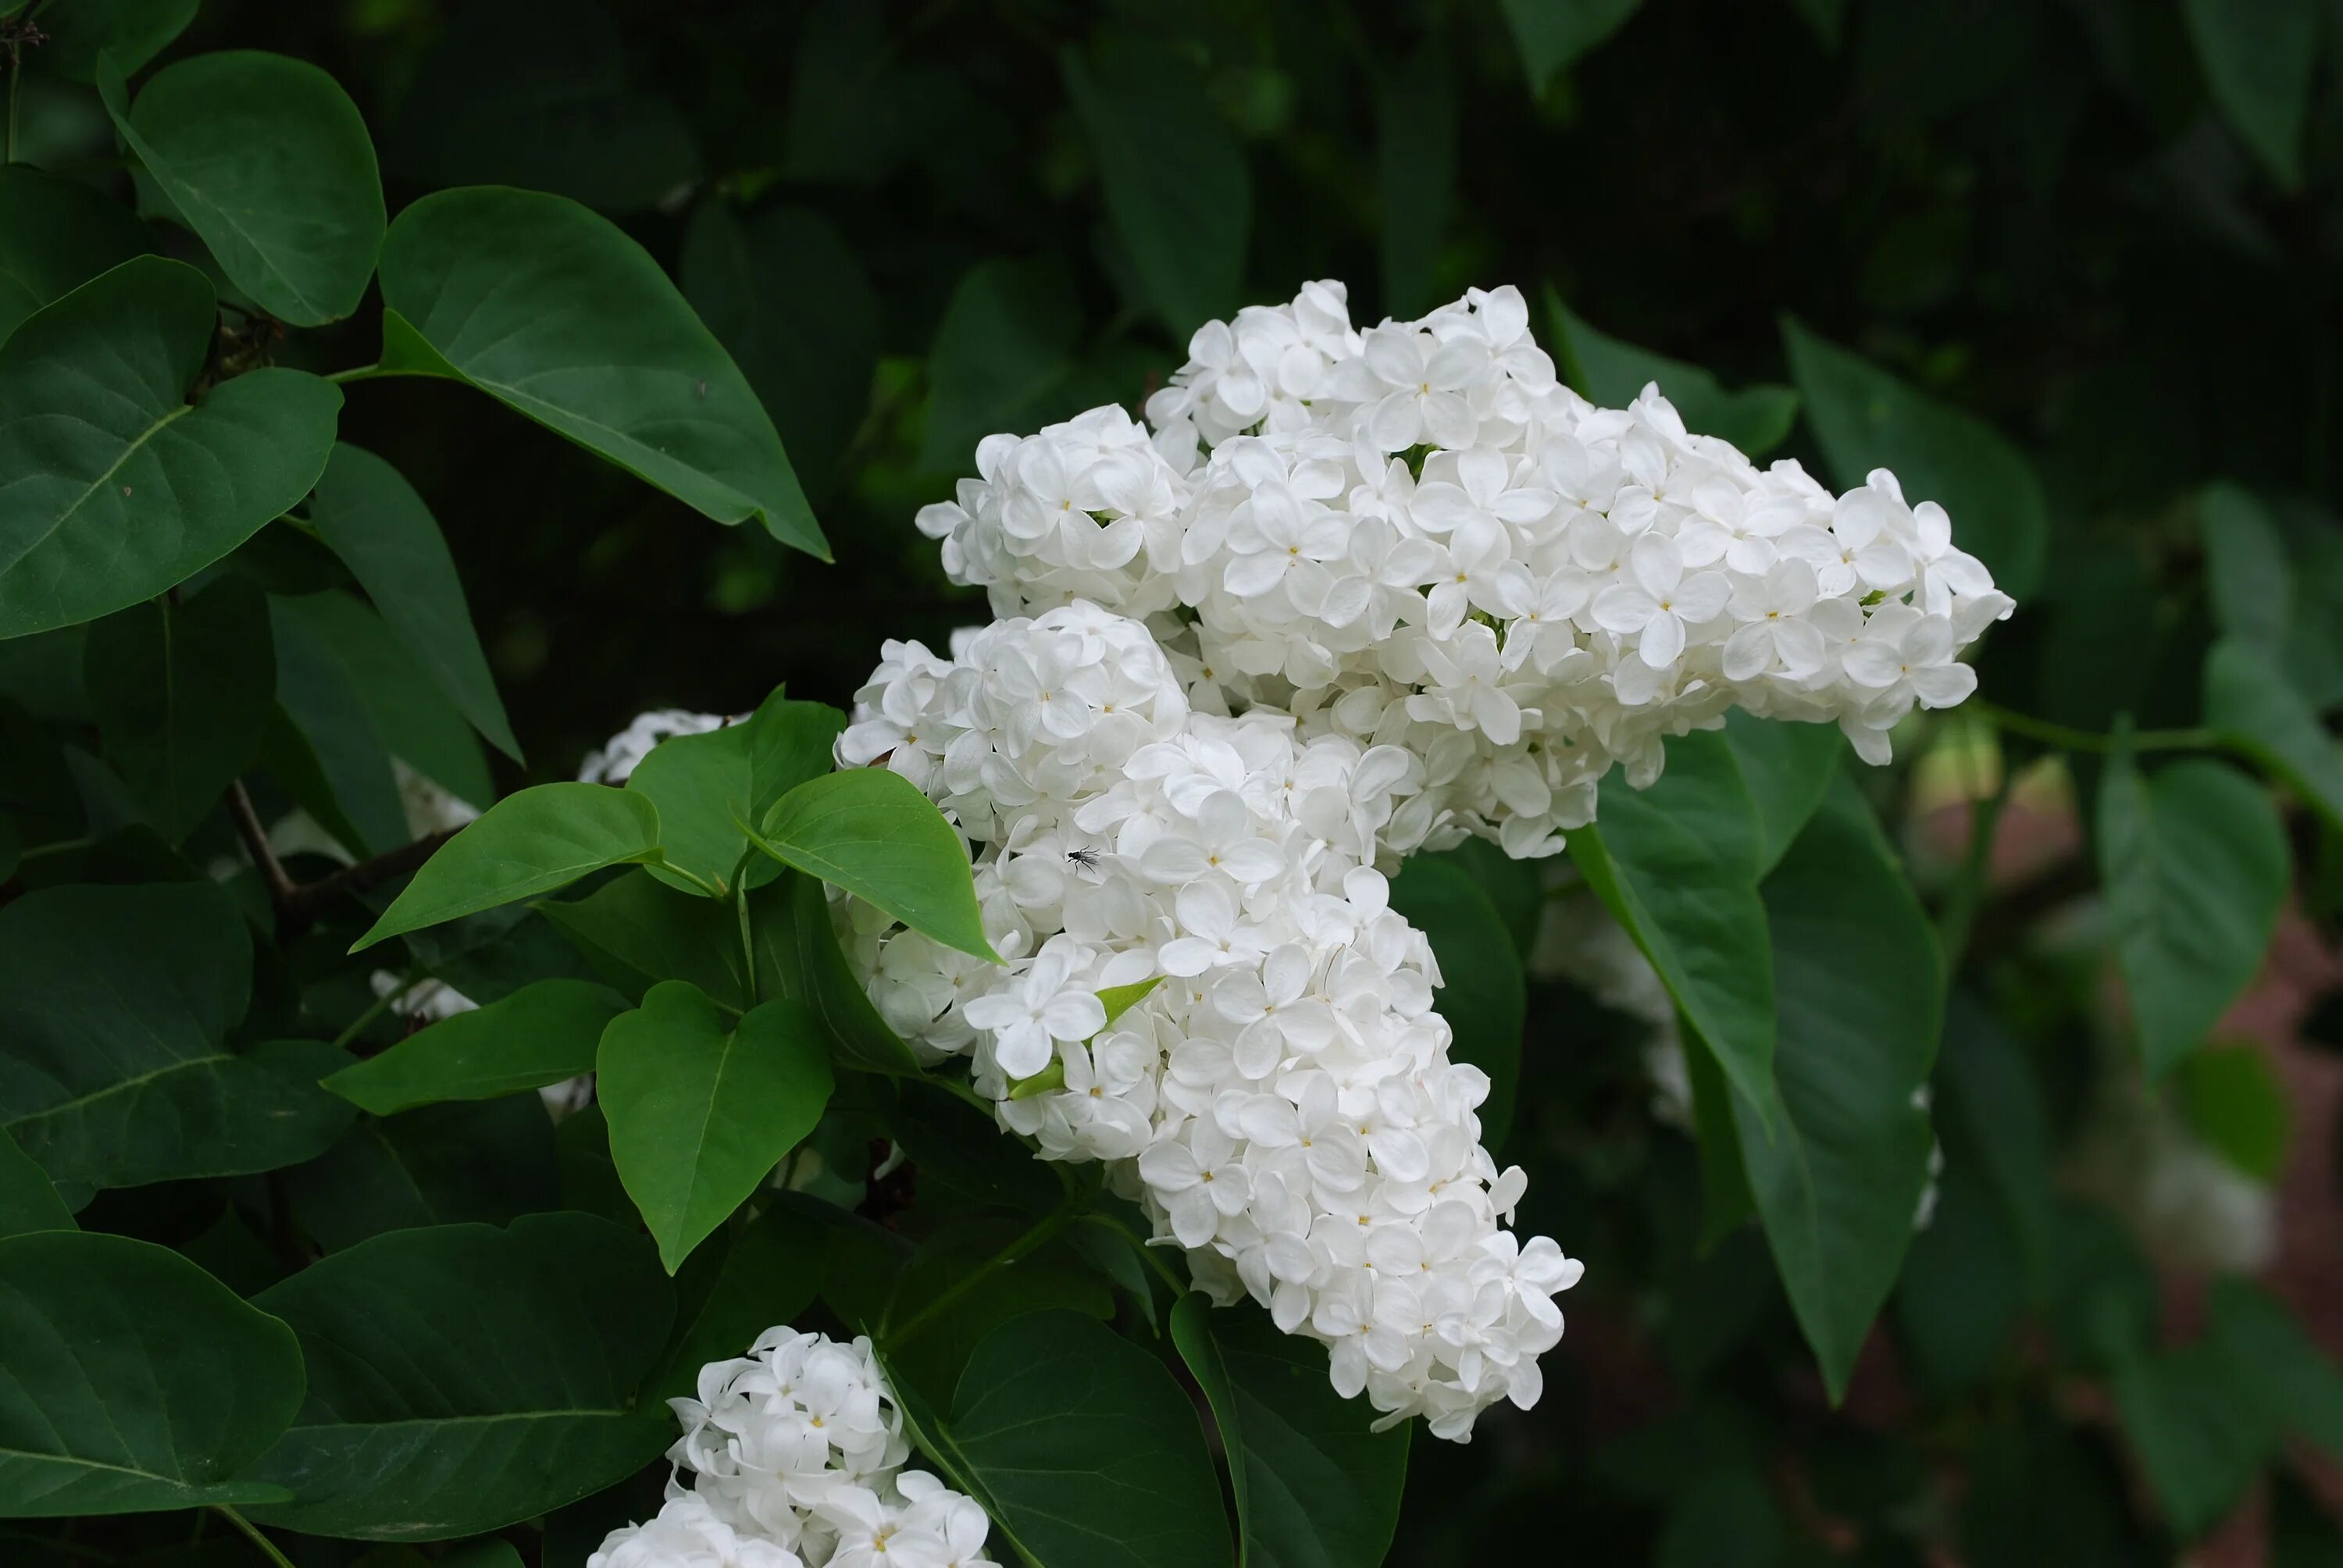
359, 373
1953, 925
1042, 1230
2068, 739
15, 69
1151, 1256
267, 1547
748, 943
62, 846
382, 1004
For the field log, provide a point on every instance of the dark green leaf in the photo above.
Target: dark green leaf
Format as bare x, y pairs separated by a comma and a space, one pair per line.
1788, 770
182, 694
1552, 33
2195, 866
2277, 1365
1052, 1278
1004, 356
27, 1201
2258, 60
416, 723
112, 487
133, 31
1859, 996
1082, 1448
371, 515
55, 235
326, 743
637, 932
2236, 1107
767, 1274
463, 1377
268, 160
502, 98
2248, 699
872, 832
1614, 374
700, 1112
114, 1005
2199, 1444
553, 311
541, 1034
526, 843
131, 1381
1177, 188
1677, 865
1314, 1486
2247, 575
784, 294
1864, 419
487, 1161
1482, 994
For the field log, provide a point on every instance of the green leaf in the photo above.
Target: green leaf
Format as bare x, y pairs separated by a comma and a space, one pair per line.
1003, 358
700, 1113
1053, 1277
462, 1377
112, 487
133, 31
2195, 866
502, 98
1314, 1486
1859, 996
131, 1381
1864, 419
1788, 768
1614, 374
1483, 993
322, 750
488, 1160
768, 1272
182, 694
785, 294
2236, 1107
2258, 60
2277, 1364
114, 1003
27, 1201
2249, 701
2248, 576
527, 843
541, 1034
1677, 865
1552, 33
2198, 1443
706, 786
870, 831
267, 159
1178, 192
371, 515
414, 720
553, 311
55, 235
798, 956
637, 931
1082, 1448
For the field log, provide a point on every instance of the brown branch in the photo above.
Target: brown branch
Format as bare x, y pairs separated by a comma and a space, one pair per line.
255, 843
306, 901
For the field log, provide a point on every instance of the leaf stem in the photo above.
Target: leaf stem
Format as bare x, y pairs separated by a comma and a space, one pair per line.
61, 847
358, 373
267, 1547
2068, 739
382, 1004
1959, 914
1151, 1256
1042, 1230
747, 941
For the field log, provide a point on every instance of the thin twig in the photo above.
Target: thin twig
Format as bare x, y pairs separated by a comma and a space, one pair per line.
281, 890
267, 1547
309, 899
2068, 739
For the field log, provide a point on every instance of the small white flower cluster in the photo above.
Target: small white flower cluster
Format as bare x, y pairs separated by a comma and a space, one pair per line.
796, 1453
614, 761
1282, 1103
1416, 537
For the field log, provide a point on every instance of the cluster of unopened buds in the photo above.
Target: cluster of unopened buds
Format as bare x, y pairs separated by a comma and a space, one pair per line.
1352, 595
796, 1454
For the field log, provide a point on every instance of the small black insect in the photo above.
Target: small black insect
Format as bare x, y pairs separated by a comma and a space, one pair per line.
1088, 860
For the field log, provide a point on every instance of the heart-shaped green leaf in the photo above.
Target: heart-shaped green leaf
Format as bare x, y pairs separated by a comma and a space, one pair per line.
112, 486
870, 831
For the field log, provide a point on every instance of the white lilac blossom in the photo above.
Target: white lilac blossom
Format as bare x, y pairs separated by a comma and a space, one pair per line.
1415, 537
614, 761
1283, 1105
796, 1454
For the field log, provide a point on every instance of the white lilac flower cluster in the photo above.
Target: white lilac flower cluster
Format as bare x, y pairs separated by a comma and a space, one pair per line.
796, 1453
1415, 537
1281, 1104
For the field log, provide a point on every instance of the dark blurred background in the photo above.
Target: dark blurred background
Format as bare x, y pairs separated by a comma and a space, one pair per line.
2038, 210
